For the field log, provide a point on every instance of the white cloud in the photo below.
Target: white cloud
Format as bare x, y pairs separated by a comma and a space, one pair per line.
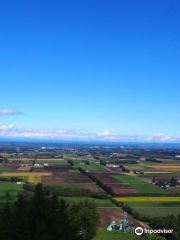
81, 134
10, 112
6, 128
105, 133
158, 137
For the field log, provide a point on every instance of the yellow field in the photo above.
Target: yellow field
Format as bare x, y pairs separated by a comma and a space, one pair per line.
20, 159
147, 199
11, 174
34, 179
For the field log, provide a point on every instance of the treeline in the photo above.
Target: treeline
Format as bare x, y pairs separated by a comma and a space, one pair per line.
106, 188
45, 217
169, 222
124, 169
153, 160
11, 179
71, 162
67, 192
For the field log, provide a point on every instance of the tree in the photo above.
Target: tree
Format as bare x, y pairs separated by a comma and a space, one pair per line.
44, 217
85, 217
173, 181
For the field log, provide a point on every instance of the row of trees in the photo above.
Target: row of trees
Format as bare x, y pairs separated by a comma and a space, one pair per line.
45, 217
67, 192
11, 179
169, 222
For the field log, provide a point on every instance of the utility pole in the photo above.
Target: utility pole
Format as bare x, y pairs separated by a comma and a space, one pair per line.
83, 233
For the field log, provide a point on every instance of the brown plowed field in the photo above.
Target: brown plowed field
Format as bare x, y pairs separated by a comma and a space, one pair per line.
106, 177
122, 188
117, 186
107, 215
166, 167
163, 178
59, 168
92, 186
118, 170
24, 168
66, 177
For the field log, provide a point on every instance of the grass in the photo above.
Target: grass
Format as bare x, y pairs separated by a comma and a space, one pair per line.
39, 161
3, 168
129, 179
73, 171
70, 185
65, 185
174, 174
98, 202
91, 166
158, 212
11, 188
103, 234
140, 185
154, 204
148, 199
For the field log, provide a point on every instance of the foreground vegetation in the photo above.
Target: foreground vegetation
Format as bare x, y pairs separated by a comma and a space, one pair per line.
45, 217
103, 234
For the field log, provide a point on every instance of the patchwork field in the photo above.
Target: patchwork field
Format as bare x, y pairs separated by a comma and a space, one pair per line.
26, 174
148, 199
157, 204
169, 168
158, 212
66, 177
140, 185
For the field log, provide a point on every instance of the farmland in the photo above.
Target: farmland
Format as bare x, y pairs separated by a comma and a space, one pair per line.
88, 174
98, 202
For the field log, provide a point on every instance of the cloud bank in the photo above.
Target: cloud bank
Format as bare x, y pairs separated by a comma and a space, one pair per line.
10, 112
12, 131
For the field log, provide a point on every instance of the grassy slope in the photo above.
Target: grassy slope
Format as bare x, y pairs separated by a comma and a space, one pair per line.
103, 234
11, 188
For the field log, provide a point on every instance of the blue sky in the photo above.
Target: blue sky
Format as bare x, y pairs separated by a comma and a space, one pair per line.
90, 69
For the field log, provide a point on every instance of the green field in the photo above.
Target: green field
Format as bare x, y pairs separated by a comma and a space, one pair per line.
154, 204
103, 234
75, 171
174, 174
11, 188
98, 202
3, 168
140, 185
53, 161
158, 212
91, 166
